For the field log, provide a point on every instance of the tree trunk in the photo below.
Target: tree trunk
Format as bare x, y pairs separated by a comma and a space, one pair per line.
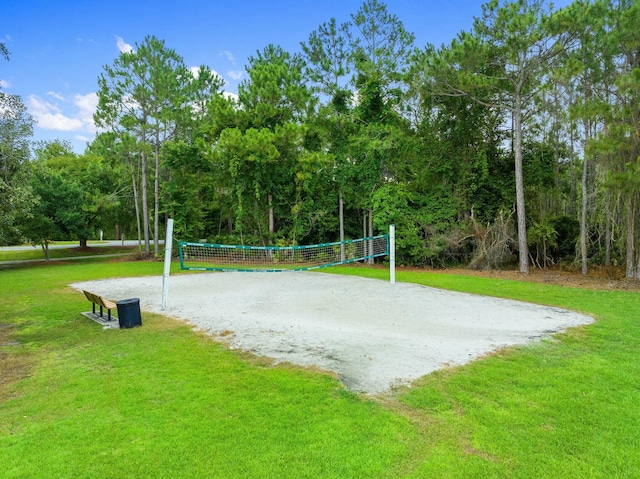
156, 197
259, 223
572, 179
371, 234
145, 205
45, 249
341, 216
630, 273
136, 202
585, 203
271, 218
607, 229
523, 249
364, 233
635, 237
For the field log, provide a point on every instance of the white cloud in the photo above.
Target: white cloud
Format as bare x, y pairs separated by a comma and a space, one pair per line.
235, 74
84, 139
123, 46
4, 84
229, 55
55, 95
216, 74
228, 94
38, 106
87, 105
50, 116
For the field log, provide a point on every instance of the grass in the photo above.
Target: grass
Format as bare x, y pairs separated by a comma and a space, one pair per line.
36, 253
163, 401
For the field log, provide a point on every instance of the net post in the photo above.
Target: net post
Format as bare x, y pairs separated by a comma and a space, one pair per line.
392, 254
167, 262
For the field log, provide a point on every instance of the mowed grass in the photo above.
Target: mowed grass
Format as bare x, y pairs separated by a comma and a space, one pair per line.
72, 251
165, 401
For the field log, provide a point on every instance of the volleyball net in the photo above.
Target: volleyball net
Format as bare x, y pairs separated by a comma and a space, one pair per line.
222, 257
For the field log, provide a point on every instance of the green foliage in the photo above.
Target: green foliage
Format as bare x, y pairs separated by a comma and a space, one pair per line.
190, 195
327, 59
542, 236
147, 97
391, 205
539, 163
4, 51
379, 43
61, 208
16, 128
76, 194
567, 231
274, 94
500, 120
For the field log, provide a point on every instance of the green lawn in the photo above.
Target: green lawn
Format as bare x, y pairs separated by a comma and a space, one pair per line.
36, 253
164, 401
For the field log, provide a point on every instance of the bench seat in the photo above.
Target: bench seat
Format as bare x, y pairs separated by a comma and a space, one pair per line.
96, 299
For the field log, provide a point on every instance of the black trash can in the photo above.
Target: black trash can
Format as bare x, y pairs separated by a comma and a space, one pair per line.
129, 312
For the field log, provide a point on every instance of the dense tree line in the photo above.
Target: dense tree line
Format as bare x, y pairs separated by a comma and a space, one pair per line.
517, 143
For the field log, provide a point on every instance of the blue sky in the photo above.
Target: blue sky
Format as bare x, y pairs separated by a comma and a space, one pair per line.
59, 49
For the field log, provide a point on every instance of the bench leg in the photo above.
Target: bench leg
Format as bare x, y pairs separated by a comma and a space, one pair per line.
100, 310
109, 314
93, 306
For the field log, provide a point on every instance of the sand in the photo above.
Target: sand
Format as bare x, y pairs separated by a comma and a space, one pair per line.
374, 335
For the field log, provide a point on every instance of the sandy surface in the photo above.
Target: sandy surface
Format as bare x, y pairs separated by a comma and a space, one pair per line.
372, 334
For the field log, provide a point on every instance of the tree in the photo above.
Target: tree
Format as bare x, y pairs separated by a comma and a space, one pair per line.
357, 67
379, 43
275, 103
40, 226
190, 194
248, 157
122, 153
16, 128
327, 67
327, 58
586, 66
75, 194
379, 47
59, 211
619, 141
3, 51
502, 63
145, 94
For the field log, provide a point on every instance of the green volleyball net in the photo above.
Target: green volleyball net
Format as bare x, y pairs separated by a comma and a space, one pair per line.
222, 257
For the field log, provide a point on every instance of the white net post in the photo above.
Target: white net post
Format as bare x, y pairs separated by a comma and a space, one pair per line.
392, 254
167, 262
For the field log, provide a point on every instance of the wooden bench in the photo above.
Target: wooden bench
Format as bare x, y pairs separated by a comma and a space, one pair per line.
96, 299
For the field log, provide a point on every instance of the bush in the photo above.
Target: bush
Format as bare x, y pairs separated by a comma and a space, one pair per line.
493, 243
568, 232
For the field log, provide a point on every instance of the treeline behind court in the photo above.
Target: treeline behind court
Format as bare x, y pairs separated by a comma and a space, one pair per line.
515, 143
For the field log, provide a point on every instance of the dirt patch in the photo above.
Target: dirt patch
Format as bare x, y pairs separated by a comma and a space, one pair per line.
13, 367
599, 278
